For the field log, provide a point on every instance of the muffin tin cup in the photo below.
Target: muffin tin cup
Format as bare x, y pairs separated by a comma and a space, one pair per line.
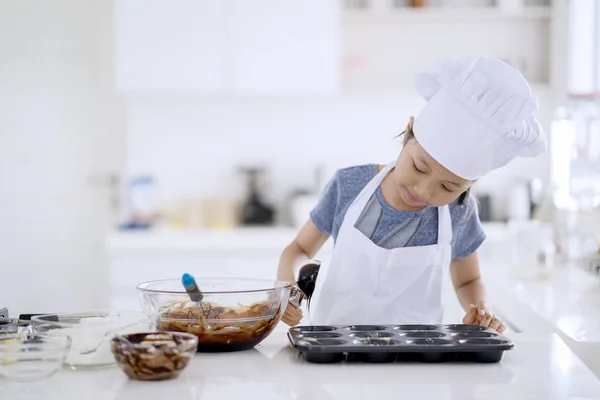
389, 343
320, 335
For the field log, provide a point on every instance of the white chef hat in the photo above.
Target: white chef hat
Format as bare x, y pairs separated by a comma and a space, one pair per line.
478, 116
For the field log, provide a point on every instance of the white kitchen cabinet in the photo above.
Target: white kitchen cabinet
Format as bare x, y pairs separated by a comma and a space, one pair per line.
584, 55
170, 46
284, 46
129, 271
227, 47
136, 257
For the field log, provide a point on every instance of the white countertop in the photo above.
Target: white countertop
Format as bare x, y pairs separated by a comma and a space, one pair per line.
540, 367
566, 302
567, 299
201, 239
243, 238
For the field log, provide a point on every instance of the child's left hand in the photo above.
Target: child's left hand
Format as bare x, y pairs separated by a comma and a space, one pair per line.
482, 315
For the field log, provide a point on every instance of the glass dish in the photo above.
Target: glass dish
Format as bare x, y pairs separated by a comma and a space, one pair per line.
154, 356
235, 314
26, 357
91, 332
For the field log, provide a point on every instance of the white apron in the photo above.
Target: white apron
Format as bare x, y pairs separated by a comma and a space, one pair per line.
367, 284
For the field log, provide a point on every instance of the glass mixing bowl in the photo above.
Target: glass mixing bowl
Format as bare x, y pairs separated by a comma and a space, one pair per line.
235, 314
91, 333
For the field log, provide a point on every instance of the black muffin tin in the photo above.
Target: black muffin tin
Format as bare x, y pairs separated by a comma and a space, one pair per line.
390, 343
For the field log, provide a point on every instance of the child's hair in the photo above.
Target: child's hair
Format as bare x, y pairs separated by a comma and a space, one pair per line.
462, 199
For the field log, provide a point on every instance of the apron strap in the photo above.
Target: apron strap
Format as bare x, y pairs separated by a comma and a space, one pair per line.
363, 197
444, 226
444, 219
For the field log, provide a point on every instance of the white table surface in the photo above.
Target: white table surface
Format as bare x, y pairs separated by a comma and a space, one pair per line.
568, 298
540, 367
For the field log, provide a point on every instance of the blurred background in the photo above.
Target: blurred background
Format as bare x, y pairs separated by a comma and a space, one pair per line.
140, 139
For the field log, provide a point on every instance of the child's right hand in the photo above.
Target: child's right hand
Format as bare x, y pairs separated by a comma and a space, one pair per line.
480, 314
292, 315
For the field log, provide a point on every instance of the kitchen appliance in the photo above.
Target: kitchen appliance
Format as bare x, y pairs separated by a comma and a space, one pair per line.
255, 209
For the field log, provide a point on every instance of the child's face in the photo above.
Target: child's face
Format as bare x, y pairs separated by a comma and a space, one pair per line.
421, 180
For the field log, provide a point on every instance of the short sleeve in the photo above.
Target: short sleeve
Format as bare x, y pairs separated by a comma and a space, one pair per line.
323, 214
470, 233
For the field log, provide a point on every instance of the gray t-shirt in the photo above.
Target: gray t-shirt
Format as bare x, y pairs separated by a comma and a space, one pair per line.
391, 228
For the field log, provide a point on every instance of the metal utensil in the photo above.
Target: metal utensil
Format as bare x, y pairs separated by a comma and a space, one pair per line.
305, 286
195, 294
14, 322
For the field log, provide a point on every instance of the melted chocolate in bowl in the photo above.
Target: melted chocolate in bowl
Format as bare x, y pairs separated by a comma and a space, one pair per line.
223, 329
235, 313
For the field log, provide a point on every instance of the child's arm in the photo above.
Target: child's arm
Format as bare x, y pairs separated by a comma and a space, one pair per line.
470, 291
467, 280
305, 245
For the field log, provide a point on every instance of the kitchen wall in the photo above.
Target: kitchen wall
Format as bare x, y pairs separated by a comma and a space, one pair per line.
194, 145
61, 128
63, 124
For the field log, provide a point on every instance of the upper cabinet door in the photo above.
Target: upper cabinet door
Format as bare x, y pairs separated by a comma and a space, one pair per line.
170, 46
284, 46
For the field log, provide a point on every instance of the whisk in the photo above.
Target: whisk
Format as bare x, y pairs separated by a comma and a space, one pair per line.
195, 294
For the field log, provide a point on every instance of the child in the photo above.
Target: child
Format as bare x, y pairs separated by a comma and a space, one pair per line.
400, 228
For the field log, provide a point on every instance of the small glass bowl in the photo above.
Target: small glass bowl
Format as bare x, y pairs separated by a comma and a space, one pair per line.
29, 357
91, 333
154, 356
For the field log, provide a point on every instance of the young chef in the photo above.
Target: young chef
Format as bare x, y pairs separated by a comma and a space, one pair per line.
400, 228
